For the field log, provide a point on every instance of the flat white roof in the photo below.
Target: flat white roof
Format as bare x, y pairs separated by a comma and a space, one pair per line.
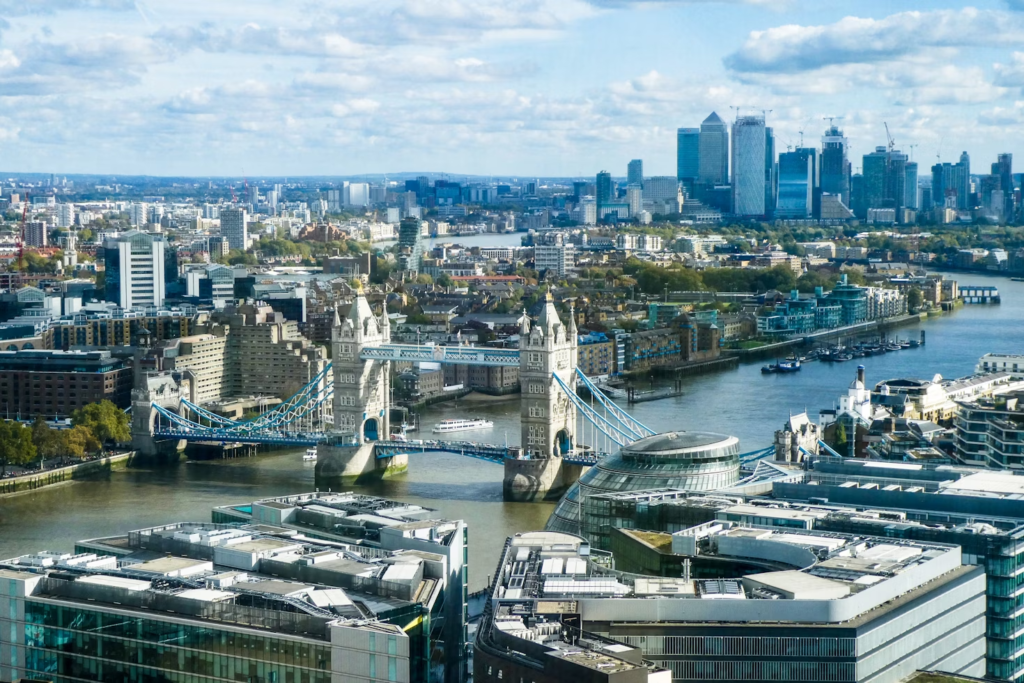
205, 595
988, 482
116, 582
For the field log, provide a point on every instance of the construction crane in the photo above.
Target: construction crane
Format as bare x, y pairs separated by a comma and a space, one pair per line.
892, 143
830, 120
912, 150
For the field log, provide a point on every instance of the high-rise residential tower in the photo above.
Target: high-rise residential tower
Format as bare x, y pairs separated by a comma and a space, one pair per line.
911, 201
410, 245
605, 190
964, 190
234, 227
635, 172
950, 182
749, 151
835, 166
688, 157
714, 151
1005, 163
885, 179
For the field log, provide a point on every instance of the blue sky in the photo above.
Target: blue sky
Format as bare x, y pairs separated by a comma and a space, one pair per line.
502, 87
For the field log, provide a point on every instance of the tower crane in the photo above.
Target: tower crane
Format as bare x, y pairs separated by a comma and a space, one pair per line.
892, 143
830, 119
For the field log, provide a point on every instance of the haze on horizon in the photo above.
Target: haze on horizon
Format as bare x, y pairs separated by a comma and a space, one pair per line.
489, 87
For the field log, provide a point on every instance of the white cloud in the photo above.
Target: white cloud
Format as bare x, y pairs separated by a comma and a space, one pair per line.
355, 107
856, 40
26, 7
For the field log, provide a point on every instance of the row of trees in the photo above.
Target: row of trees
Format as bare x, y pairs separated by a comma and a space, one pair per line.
655, 278
92, 426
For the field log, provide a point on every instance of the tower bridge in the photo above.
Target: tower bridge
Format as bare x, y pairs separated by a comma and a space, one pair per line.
345, 411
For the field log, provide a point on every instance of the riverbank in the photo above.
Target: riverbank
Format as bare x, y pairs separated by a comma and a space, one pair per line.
773, 350
35, 481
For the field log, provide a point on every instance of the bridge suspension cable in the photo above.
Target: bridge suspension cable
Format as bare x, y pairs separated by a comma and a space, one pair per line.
610, 430
635, 426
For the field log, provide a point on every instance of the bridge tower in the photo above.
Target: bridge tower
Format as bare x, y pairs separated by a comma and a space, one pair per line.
546, 348
362, 403
361, 397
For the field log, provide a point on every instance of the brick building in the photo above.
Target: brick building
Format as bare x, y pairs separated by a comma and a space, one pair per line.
56, 383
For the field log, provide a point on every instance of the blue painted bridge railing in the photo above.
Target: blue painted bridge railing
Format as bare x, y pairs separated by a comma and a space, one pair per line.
482, 451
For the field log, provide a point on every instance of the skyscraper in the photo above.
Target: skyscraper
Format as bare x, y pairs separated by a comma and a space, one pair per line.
949, 183
749, 151
1005, 163
796, 184
885, 180
410, 245
234, 227
835, 166
714, 151
135, 266
635, 199
771, 181
964, 190
688, 157
635, 172
858, 197
604, 190
911, 201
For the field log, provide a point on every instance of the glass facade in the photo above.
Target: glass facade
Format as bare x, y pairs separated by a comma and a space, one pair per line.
68, 643
688, 156
714, 151
796, 185
709, 466
748, 166
1002, 556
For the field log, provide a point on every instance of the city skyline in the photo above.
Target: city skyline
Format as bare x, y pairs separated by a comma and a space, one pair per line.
522, 88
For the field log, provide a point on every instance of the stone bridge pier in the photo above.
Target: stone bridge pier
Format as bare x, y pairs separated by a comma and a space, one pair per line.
166, 390
548, 418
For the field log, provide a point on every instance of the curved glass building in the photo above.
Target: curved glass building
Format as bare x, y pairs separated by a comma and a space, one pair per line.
691, 461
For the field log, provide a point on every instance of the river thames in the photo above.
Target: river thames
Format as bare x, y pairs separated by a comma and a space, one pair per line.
741, 402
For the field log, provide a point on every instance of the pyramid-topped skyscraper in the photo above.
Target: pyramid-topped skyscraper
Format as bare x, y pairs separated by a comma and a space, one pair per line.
714, 151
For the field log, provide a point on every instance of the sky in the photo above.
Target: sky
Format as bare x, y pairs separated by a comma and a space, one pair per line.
510, 88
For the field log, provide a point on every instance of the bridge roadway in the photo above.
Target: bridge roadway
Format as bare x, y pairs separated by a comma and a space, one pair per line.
384, 449
451, 355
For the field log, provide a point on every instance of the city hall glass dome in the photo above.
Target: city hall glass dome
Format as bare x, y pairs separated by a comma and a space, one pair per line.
691, 461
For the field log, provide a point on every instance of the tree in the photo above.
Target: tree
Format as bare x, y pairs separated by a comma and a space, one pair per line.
915, 298
16, 447
45, 439
107, 422
840, 439
77, 442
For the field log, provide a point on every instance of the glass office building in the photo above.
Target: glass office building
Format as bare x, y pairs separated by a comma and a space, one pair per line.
297, 589
74, 625
796, 185
691, 461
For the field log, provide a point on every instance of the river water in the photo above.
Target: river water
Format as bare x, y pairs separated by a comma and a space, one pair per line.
740, 402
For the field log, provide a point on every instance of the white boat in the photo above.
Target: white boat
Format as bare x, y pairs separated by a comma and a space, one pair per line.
446, 426
310, 454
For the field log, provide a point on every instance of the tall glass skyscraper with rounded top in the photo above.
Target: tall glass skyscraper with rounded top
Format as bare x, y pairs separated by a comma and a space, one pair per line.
748, 166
